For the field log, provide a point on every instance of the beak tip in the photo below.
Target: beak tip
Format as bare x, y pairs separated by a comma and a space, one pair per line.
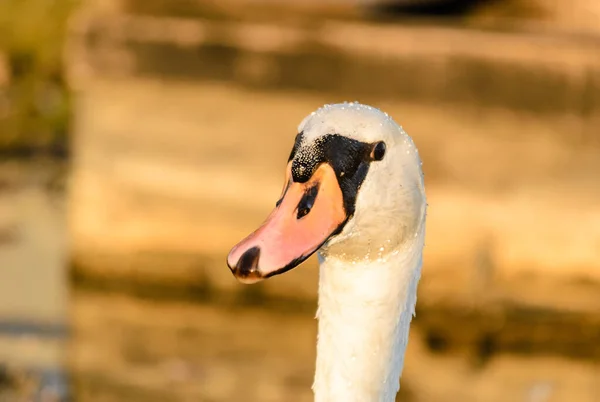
246, 269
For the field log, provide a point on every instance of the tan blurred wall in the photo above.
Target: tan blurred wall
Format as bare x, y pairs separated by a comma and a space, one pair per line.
539, 95
577, 14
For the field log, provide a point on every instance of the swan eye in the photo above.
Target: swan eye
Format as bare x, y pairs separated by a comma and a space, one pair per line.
378, 151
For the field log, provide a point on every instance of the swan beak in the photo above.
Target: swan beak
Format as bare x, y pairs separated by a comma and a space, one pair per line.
305, 217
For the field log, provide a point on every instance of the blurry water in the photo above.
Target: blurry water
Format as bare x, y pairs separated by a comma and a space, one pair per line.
33, 291
125, 348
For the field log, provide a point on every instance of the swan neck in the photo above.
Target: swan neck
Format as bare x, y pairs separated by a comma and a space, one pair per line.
364, 313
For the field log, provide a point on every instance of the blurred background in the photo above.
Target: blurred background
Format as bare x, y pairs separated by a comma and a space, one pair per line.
141, 139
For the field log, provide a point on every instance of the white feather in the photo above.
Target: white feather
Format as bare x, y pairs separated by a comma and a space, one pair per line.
370, 271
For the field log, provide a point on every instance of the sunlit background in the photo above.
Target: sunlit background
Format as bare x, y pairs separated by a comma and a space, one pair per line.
141, 139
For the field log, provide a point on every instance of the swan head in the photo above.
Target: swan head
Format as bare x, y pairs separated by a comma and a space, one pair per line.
353, 190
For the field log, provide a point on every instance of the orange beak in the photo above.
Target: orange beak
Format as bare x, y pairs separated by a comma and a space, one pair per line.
306, 216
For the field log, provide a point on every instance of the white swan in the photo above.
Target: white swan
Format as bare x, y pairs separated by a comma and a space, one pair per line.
353, 191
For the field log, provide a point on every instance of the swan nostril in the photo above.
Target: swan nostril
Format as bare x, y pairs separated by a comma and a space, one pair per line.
307, 201
302, 212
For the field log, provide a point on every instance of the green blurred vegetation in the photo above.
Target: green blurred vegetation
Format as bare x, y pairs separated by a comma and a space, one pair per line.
34, 101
